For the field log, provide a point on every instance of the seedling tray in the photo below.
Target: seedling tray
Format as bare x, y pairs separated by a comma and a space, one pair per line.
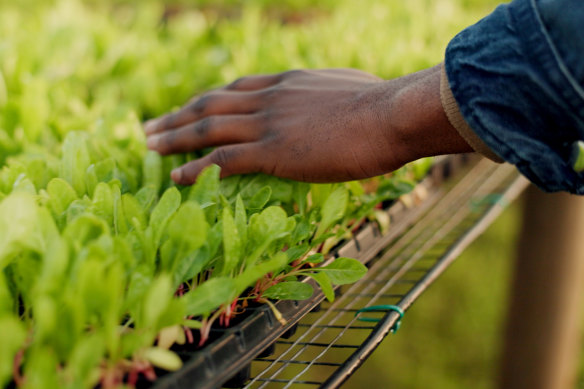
459, 198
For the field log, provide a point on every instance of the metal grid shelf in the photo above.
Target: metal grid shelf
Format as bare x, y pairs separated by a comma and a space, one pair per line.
402, 265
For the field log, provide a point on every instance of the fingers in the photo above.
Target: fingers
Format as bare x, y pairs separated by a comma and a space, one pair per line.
213, 103
233, 159
252, 83
209, 131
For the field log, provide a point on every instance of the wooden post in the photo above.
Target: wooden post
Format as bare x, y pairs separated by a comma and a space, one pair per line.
543, 329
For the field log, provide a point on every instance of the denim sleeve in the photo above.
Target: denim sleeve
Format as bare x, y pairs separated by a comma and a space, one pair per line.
518, 78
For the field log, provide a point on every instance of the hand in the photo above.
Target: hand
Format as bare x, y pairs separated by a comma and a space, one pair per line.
308, 125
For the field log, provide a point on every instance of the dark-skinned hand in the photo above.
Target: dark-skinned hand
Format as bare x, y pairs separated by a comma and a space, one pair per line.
310, 125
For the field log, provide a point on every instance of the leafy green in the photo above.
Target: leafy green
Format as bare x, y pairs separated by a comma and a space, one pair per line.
289, 290
208, 296
343, 270
162, 212
100, 252
187, 232
333, 209
206, 191
12, 338
162, 358
325, 284
232, 248
75, 161
253, 273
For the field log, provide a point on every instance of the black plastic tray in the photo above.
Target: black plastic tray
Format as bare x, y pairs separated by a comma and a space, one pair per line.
225, 360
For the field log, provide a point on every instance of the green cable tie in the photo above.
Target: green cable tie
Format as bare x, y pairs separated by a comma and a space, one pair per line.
490, 199
382, 308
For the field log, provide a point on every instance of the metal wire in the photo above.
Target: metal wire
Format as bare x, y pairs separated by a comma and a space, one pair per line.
405, 262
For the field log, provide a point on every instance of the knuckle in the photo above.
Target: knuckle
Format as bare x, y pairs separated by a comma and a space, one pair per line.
268, 94
203, 126
221, 156
189, 174
292, 73
199, 106
168, 121
166, 143
236, 83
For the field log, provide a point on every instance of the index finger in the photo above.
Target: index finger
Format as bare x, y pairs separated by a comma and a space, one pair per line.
213, 103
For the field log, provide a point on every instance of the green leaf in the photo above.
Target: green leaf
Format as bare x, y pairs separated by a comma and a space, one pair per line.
303, 231
6, 299
152, 171
85, 229
319, 193
266, 227
231, 244
102, 171
393, 188
40, 369
45, 312
3, 90
120, 222
195, 262
206, 191
85, 359
289, 290
133, 209
333, 209
162, 358
174, 313
24, 184
241, 220
325, 284
34, 105
260, 199
12, 338
229, 185
61, 195
19, 226
138, 284
356, 188
147, 197
187, 232
315, 258
344, 270
209, 296
296, 252
155, 301
75, 160
253, 273
281, 189
300, 194
103, 203
163, 211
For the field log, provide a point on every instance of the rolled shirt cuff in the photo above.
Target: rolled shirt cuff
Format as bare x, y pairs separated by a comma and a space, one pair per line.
452, 111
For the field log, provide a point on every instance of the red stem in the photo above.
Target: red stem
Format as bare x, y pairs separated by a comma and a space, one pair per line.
18, 378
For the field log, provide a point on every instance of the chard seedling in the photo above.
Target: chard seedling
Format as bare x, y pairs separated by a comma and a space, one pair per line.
105, 264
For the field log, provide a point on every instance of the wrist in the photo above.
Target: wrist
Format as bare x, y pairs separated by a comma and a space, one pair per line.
418, 126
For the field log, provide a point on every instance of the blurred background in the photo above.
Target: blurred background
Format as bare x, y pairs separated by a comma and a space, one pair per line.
97, 61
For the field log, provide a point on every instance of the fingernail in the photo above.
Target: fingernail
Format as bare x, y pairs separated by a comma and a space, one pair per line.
152, 142
176, 175
150, 126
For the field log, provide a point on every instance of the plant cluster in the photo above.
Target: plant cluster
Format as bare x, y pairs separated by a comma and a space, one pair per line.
105, 264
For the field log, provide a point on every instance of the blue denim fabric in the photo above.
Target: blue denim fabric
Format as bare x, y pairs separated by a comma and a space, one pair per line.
518, 77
